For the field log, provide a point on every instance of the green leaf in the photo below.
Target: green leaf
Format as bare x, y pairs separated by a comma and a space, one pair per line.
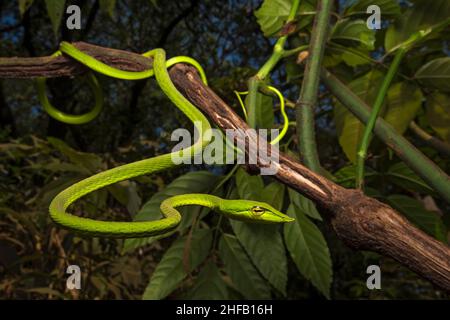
352, 56
353, 32
438, 114
264, 245
108, 6
24, 5
272, 15
404, 177
304, 204
403, 102
90, 161
191, 182
346, 176
426, 220
243, 274
273, 194
55, 10
249, 187
388, 8
423, 15
349, 129
171, 269
435, 74
209, 285
309, 250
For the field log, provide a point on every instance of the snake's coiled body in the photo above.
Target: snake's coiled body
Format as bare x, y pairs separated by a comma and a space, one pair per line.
235, 209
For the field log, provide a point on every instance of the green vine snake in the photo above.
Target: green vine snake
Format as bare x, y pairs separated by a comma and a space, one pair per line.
245, 210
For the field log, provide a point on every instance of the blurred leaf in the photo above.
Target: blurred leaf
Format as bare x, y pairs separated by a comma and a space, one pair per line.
426, 220
108, 6
424, 14
404, 177
209, 285
238, 266
272, 15
191, 182
309, 250
349, 128
55, 10
353, 32
90, 161
264, 245
170, 271
435, 74
403, 102
387, 7
438, 114
24, 5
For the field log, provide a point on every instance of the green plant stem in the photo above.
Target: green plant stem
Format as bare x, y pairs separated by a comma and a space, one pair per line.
310, 88
382, 92
416, 160
291, 52
255, 81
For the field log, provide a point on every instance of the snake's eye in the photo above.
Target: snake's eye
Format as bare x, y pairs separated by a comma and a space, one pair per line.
257, 211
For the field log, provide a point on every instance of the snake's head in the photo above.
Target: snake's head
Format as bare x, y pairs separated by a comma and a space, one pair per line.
252, 211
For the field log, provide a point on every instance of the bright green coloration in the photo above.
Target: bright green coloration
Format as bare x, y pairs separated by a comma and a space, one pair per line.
69, 118
362, 152
282, 109
236, 209
100, 67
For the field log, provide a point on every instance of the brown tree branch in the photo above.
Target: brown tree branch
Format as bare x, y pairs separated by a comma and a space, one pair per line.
361, 222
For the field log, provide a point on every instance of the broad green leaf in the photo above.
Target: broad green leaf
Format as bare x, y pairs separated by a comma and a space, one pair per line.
426, 220
171, 269
422, 15
90, 161
249, 187
349, 128
243, 274
304, 204
24, 5
438, 114
388, 7
108, 6
404, 177
55, 10
352, 56
346, 176
309, 250
435, 74
353, 32
272, 15
264, 111
209, 285
273, 194
264, 245
191, 182
403, 102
